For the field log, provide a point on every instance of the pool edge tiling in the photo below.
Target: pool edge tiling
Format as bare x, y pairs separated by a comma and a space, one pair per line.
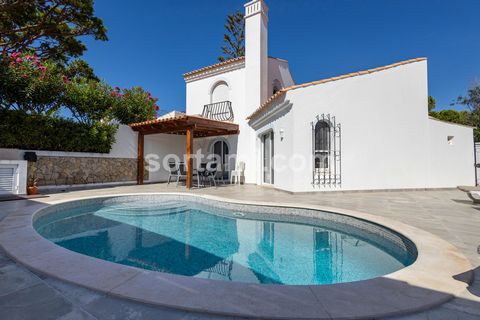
428, 282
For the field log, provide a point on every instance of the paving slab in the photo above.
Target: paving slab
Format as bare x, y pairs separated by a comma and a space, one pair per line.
442, 212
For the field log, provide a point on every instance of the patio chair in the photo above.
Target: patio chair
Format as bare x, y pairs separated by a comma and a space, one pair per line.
210, 173
238, 174
201, 173
220, 174
173, 170
181, 173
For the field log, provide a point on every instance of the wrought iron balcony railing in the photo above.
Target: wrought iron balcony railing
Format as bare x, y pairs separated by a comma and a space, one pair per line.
221, 111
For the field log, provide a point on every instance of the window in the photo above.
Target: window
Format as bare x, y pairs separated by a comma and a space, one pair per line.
450, 140
220, 149
326, 153
322, 145
276, 86
220, 92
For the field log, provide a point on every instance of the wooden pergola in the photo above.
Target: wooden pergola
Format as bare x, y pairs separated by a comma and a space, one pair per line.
190, 126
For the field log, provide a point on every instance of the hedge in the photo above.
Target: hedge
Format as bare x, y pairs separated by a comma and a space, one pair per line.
19, 130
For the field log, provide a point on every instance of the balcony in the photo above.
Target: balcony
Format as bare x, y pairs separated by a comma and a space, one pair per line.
221, 111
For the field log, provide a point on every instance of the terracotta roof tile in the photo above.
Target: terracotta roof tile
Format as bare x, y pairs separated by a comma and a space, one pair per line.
179, 117
349, 75
213, 66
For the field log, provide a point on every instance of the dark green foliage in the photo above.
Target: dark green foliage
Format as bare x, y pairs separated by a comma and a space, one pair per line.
79, 68
461, 117
471, 117
472, 99
134, 105
234, 39
51, 28
39, 132
89, 101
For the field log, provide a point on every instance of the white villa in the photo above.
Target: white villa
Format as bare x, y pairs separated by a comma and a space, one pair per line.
360, 131
367, 130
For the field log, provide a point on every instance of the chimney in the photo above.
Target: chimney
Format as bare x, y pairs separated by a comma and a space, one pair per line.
256, 54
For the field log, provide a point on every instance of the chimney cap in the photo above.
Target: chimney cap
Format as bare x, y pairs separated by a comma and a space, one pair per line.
254, 7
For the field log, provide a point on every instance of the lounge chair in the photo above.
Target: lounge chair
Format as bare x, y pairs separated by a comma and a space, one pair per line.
475, 196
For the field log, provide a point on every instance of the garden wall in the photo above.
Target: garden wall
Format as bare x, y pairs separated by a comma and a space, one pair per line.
59, 168
82, 170
55, 168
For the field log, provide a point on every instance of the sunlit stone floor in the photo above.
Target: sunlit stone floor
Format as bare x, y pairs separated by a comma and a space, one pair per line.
446, 213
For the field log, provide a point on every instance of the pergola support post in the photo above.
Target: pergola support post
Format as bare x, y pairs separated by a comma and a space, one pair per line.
189, 147
140, 158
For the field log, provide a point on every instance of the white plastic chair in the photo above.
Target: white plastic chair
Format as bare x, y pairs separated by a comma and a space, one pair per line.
238, 174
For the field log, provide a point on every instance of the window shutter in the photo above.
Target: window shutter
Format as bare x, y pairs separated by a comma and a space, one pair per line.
7, 179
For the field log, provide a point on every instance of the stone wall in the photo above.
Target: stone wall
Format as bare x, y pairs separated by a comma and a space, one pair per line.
51, 170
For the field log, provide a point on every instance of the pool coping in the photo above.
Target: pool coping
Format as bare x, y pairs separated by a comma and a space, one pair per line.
428, 282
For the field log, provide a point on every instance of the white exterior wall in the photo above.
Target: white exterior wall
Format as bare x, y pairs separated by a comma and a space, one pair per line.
384, 128
387, 139
383, 118
278, 70
451, 164
156, 148
256, 79
283, 148
199, 92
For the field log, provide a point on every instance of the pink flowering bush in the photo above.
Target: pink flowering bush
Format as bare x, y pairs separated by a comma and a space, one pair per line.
29, 84
134, 105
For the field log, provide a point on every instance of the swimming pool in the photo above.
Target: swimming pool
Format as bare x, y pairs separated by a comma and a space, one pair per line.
220, 241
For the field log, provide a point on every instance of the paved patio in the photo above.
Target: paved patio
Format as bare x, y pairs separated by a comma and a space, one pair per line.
446, 213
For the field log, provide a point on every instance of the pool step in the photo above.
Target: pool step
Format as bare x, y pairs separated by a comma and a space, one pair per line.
142, 211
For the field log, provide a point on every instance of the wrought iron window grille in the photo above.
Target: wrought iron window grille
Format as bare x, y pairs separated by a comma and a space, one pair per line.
326, 151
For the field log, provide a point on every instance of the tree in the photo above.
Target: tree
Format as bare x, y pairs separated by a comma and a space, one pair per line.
79, 68
461, 117
134, 105
472, 99
51, 28
89, 101
431, 103
234, 39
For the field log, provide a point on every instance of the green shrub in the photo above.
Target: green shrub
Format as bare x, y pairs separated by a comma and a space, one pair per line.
20, 130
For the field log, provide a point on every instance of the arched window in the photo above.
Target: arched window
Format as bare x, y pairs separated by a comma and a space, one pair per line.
322, 144
276, 86
220, 92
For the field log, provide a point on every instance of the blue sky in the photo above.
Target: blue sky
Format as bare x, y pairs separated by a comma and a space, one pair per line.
152, 42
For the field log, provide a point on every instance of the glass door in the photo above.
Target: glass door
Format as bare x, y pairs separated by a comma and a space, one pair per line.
267, 142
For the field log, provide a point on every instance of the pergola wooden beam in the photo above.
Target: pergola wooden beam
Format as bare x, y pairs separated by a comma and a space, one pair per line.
140, 158
190, 126
189, 150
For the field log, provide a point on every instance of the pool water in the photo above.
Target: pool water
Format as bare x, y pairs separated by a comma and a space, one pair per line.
185, 238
